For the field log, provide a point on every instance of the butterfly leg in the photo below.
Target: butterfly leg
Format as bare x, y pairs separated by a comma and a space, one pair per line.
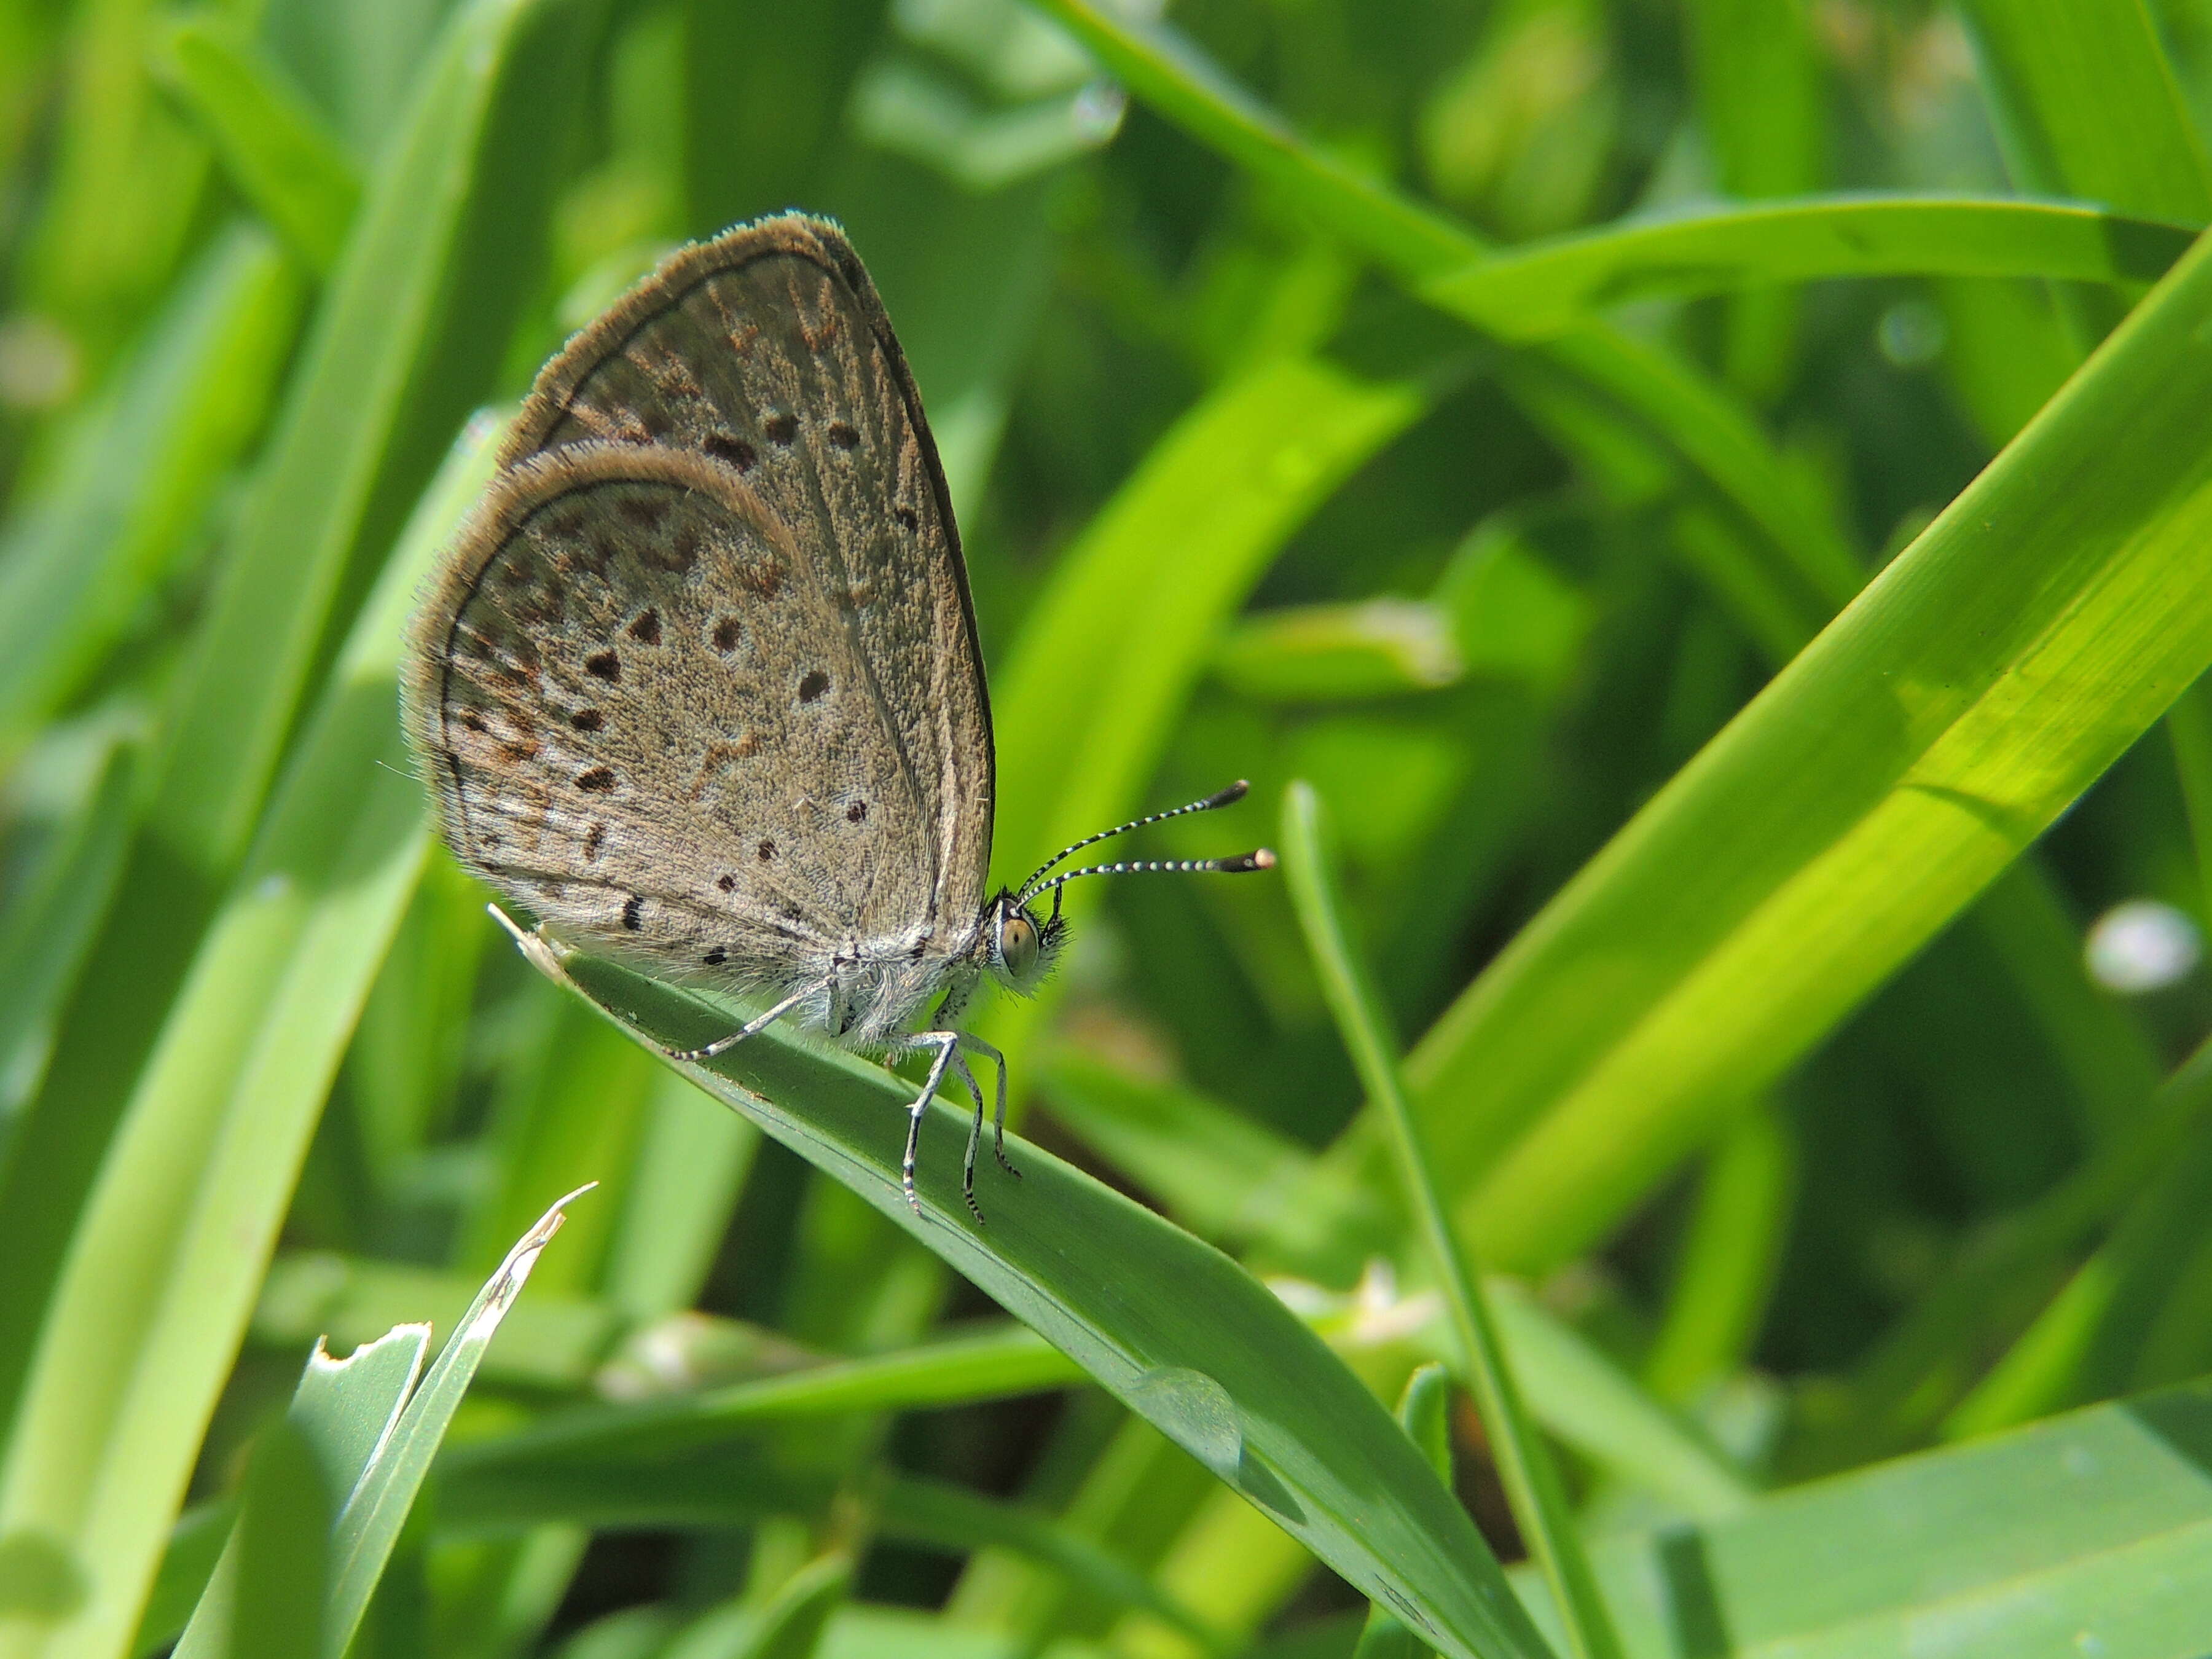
757, 1023
975, 1135
976, 1045
948, 1046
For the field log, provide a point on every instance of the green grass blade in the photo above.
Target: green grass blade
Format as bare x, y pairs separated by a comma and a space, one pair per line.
1539, 1502
1730, 1254
1170, 1326
952, 1370
341, 1411
344, 427
143, 1324
928, 1511
1872, 790
2087, 104
382, 386
1082, 713
791, 1624
1540, 290
49, 920
139, 476
1678, 415
283, 1550
127, 180
1212, 1167
1219, 1173
551, 1342
1578, 1391
1901, 1381
1423, 1412
1763, 107
195, 1545
368, 1528
266, 135
2089, 1534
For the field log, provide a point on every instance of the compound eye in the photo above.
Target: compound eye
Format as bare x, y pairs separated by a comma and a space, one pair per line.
1018, 948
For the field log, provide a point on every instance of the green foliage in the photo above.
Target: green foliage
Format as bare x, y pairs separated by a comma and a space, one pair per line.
1707, 501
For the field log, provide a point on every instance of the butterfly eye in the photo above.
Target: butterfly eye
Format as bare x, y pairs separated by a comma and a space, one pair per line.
1018, 948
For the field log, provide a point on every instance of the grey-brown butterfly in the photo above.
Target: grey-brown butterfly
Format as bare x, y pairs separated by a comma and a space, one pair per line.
698, 684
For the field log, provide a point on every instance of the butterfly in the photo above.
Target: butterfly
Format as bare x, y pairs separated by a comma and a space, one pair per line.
698, 685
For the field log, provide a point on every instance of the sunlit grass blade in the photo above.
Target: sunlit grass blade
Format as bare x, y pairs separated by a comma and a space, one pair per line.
142, 1326
2086, 102
345, 428
269, 139
1539, 289
1539, 1502
1874, 787
1170, 1326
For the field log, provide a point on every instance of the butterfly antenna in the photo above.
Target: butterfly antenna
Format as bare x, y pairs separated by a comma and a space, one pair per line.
1036, 883
1242, 864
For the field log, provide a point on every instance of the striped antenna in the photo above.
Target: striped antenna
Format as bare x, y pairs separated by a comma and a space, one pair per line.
1229, 797
1242, 864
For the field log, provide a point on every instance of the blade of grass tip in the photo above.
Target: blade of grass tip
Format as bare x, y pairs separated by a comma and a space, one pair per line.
271, 143
1540, 1505
342, 1411
1424, 1412
368, 1526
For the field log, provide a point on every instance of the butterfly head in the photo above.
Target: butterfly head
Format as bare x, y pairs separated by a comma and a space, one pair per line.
1019, 950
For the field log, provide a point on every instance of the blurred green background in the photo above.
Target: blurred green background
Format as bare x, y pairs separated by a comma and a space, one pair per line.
1836, 1114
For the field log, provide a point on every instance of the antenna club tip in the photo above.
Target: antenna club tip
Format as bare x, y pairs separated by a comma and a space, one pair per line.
1263, 858
1236, 792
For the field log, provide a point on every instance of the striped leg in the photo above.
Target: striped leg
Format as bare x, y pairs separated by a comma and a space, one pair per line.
948, 1046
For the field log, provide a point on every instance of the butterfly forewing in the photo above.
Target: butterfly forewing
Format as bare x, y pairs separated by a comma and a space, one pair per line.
699, 683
